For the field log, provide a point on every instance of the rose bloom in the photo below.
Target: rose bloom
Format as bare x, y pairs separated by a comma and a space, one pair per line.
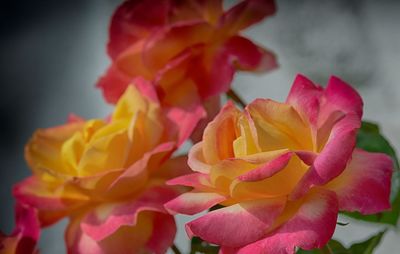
190, 49
283, 171
108, 176
23, 239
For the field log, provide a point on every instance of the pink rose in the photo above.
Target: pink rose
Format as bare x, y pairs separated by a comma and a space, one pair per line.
283, 171
191, 49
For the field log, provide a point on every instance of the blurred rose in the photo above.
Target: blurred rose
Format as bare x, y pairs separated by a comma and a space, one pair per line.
108, 175
23, 239
191, 49
282, 171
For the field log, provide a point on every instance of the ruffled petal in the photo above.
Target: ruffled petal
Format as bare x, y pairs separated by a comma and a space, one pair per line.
152, 233
193, 202
341, 96
304, 96
52, 203
246, 14
279, 126
333, 159
113, 84
134, 20
196, 180
221, 226
107, 218
25, 235
269, 169
364, 185
243, 54
220, 134
311, 226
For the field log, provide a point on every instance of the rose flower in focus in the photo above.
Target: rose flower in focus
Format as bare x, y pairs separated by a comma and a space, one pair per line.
108, 176
283, 171
190, 49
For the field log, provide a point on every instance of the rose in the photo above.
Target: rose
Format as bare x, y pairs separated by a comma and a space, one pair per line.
108, 175
187, 47
25, 235
282, 171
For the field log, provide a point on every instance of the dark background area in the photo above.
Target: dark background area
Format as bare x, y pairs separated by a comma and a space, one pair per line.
52, 53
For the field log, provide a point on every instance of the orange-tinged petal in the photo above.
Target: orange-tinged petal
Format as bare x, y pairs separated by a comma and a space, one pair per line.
279, 126
279, 184
246, 13
219, 135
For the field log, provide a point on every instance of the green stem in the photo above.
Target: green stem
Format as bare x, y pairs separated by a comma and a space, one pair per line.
327, 249
175, 249
236, 98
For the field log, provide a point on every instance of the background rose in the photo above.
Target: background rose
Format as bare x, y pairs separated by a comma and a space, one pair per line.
23, 239
108, 175
191, 49
283, 171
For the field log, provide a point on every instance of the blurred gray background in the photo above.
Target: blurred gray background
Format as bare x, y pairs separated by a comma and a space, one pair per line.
52, 52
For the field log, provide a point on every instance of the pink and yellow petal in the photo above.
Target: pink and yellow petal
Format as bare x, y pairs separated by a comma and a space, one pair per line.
53, 203
269, 169
341, 96
364, 185
127, 239
332, 160
253, 218
107, 218
279, 126
194, 202
311, 226
219, 135
305, 97
280, 184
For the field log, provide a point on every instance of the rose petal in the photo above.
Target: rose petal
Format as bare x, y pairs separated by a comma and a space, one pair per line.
221, 226
193, 202
219, 135
113, 83
312, 226
333, 159
245, 55
52, 204
364, 185
128, 239
25, 235
341, 96
246, 13
107, 218
269, 169
279, 126
197, 180
134, 20
304, 96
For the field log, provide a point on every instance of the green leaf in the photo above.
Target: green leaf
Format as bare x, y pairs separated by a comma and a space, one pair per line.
335, 247
370, 139
368, 246
198, 246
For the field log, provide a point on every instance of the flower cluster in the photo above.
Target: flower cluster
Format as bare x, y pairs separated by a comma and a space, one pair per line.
275, 174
